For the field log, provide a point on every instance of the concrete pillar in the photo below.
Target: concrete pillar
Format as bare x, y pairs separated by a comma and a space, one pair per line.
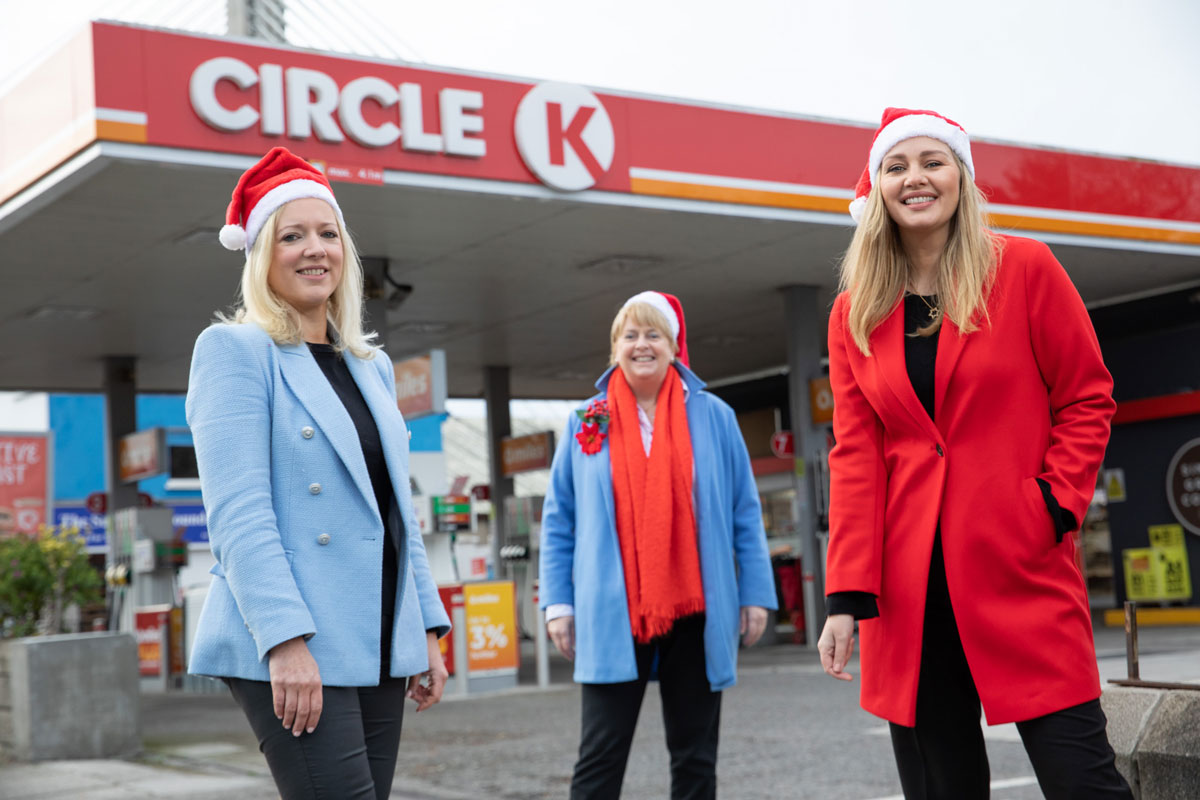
375, 296
499, 424
120, 419
805, 330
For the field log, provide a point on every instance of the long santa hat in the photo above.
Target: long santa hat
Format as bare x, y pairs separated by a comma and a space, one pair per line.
276, 180
670, 307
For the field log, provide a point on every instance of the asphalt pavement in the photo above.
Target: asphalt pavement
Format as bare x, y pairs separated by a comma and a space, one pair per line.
787, 731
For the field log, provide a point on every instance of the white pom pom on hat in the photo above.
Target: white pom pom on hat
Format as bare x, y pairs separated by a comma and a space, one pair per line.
897, 125
278, 178
233, 237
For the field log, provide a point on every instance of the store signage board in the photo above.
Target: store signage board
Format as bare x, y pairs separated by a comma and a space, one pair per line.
151, 629
189, 518
491, 610
1114, 485
451, 513
526, 453
1183, 485
1159, 572
564, 135
1176, 576
783, 444
820, 400
142, 454
421, 384
25, 481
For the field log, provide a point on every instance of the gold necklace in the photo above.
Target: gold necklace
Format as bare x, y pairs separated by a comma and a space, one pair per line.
935, 310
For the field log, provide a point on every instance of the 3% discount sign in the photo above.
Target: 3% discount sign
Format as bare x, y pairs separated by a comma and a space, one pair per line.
491, 636
491, 611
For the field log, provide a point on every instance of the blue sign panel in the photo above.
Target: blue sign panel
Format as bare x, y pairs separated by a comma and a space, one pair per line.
189, 517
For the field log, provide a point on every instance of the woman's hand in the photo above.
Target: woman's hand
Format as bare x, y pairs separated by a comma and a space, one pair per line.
562, 633
295, 685
754, 622
836, 645
426, 689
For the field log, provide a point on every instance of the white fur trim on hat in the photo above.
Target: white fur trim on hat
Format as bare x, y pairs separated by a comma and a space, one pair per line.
911, 126
280, 196
660, 304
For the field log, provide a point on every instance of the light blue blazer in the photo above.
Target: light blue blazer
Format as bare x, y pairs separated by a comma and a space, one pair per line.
581, 555
292, 517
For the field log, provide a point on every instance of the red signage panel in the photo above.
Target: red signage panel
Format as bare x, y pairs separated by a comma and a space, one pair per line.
24, 482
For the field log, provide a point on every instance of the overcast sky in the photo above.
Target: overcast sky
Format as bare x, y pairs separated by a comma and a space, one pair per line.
1108, 76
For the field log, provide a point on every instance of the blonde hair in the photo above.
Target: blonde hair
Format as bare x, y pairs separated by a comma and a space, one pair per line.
644, 315
259, 304
874, 270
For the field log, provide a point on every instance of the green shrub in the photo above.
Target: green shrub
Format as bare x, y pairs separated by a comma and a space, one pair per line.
40, 576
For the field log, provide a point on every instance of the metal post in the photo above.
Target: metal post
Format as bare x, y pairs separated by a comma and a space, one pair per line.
499, 425
458, 619
804, 320
120, 419
542, 652
1131, 644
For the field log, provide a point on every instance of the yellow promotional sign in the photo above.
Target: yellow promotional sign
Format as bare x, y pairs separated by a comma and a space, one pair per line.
491, 610
1159, 572
1141, 574
1176, 577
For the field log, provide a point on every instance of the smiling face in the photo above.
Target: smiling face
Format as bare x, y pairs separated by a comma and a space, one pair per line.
643, 352
919, 182
306, 257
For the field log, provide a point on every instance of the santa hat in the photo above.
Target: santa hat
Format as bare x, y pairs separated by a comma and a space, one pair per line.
897, 125
277, 179
669, 306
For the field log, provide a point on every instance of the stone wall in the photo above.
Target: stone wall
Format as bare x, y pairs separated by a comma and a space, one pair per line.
1156, 736
69, 696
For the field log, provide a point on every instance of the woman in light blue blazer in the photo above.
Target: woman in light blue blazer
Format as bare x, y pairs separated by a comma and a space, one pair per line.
322, 608
653, 555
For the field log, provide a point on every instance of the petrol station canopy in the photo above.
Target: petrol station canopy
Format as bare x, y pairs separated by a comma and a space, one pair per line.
515, 216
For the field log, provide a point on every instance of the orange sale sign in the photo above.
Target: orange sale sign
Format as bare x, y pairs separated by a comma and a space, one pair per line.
491, 609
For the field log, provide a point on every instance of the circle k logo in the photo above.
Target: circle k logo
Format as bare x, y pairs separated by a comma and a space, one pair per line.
564, 136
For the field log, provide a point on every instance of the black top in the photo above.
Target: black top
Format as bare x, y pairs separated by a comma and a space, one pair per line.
920, 358
342, 381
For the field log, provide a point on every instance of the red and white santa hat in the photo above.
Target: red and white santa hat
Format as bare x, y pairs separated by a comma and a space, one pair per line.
277, 179
899, 124
669, 306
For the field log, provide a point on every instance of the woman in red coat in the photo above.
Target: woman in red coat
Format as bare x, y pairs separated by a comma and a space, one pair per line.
971, 412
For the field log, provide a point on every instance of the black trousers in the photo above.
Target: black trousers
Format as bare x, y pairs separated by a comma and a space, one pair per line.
944, 758
691, 716
352, 753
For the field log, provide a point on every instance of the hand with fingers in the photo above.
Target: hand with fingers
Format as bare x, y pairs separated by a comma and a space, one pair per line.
754, 622
426, 689
836, 645
562, 633
295, 686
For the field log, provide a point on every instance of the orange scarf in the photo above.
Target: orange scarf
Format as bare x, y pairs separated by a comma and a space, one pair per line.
656, 525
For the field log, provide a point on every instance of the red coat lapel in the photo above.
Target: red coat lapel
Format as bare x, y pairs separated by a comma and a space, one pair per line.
950, 347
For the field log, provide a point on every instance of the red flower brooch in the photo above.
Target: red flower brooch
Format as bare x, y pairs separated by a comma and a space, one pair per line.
590, 437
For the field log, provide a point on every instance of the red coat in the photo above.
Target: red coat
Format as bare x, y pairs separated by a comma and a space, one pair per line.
1025, 397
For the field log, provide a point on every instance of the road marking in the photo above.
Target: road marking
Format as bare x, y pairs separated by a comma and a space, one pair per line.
1004, 783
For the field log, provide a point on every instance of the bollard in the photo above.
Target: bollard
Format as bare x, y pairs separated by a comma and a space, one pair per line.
458, 618
542, 651
1131, 646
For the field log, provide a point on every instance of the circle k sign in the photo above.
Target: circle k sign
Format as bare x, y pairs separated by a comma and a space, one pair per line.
564, 135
